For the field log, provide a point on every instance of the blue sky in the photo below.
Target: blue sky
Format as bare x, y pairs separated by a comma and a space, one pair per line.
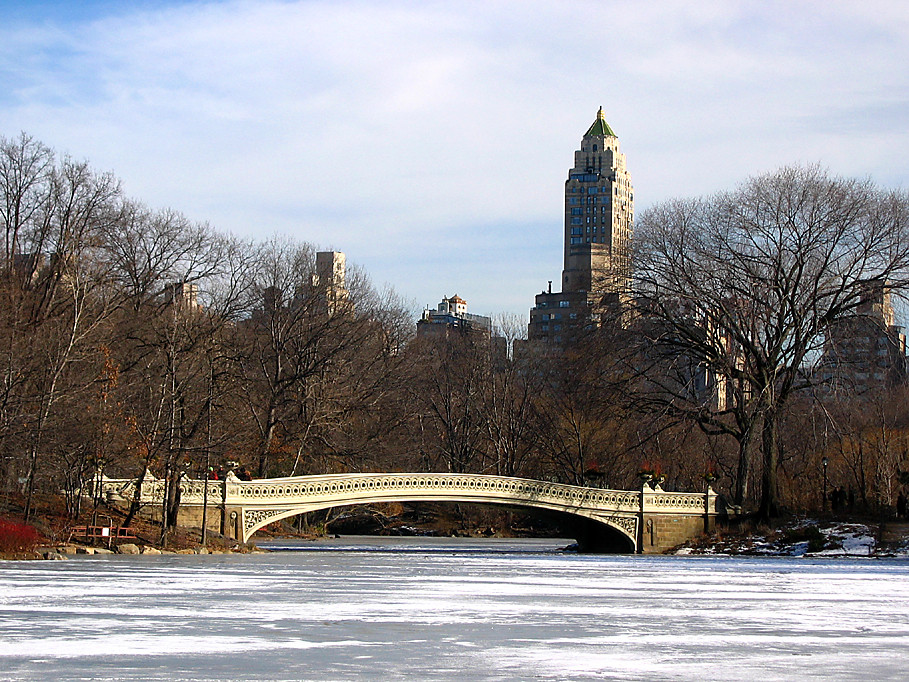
430, 140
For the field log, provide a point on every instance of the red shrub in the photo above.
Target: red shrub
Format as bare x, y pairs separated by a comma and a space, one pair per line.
17, 537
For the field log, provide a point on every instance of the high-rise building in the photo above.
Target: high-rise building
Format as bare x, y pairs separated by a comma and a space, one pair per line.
183, 295
867, 351
599, 218
329, 280
319, 292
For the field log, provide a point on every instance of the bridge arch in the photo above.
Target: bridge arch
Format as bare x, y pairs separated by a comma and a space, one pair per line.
610, 516
593, 531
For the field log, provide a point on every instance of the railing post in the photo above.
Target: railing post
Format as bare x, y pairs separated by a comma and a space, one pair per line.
230, 498
709, 509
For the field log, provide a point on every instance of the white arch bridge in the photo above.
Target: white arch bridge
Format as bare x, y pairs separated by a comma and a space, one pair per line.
647, 520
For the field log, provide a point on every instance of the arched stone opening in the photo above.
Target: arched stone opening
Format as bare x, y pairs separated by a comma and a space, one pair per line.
591, 535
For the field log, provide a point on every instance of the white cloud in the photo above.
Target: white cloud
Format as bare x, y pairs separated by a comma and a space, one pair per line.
421, 138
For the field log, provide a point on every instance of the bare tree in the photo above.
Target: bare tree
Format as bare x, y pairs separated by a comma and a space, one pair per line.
583, 424
449, 385
149, 250
300, 354
747, 282
26, 167
64, 298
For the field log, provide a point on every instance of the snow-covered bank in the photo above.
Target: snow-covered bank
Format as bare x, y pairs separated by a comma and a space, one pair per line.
809, 537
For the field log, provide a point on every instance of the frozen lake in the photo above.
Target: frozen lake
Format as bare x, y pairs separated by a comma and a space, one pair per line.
451, 609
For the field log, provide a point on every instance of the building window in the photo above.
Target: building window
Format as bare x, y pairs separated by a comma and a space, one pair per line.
575, 221
576, 230
545, 327
576, 240
556, 327
573, 200
564, 304
545, 317
573, 316
591, 190
576, 211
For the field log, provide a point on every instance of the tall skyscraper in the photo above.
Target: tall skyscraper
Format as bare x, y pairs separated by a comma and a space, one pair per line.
599, 218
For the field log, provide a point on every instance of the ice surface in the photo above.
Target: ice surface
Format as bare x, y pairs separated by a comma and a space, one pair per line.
446, 610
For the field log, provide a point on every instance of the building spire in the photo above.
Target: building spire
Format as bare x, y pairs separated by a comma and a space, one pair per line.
600, 127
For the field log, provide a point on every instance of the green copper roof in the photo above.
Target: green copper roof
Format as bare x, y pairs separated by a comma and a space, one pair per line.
600, 127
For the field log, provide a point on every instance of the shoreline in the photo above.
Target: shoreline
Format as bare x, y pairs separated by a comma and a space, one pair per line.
796, 537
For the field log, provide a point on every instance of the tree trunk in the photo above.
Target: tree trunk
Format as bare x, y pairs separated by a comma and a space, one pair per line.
769, 507
267, 441
743, 470
136, 502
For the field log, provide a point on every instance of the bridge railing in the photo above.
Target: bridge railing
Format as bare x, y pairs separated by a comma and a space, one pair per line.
192, 491
347, 488
661, 501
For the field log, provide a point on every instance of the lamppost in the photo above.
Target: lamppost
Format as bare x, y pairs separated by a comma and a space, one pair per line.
206, 476
825, 462
97, 484
208, 470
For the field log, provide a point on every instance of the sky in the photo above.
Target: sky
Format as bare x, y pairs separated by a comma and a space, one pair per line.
430, 141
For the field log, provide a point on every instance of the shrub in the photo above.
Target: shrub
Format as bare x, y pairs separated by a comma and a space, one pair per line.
810, 534
17, 537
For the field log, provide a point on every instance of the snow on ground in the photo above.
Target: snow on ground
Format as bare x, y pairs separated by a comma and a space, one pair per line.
848, 539
803, 537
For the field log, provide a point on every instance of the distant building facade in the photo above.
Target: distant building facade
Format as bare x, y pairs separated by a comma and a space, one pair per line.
599, 220
450, 322
451, 317
330, 281
866, 351
320, 293
182, 295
